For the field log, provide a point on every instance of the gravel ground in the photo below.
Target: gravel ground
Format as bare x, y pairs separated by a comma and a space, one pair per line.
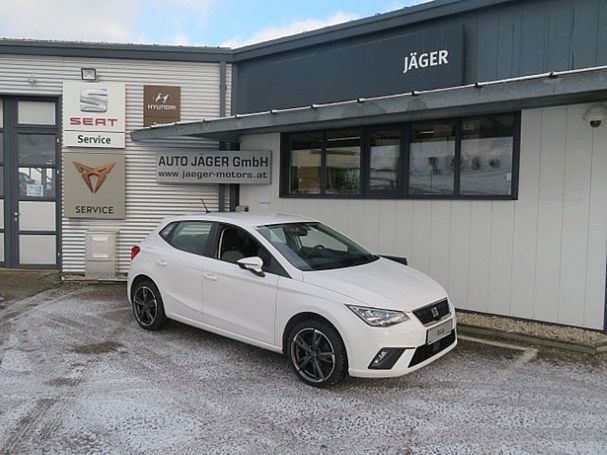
77, 375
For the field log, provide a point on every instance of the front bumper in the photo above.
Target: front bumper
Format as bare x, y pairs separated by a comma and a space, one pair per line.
410, 335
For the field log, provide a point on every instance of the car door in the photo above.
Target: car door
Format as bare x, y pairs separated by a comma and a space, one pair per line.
179, 262
237, 300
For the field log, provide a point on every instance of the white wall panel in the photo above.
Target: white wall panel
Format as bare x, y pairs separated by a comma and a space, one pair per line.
146, 201
542, 256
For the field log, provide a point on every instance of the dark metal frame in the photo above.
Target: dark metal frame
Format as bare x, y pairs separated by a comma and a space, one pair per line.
402, 191
11, 164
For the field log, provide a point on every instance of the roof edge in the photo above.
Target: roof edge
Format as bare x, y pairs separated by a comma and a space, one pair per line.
540, 90
115, 50
380, 22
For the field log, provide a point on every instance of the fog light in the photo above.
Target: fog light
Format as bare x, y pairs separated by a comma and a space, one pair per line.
386, 358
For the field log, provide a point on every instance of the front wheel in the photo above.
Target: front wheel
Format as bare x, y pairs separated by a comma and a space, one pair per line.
317, 353
147, 305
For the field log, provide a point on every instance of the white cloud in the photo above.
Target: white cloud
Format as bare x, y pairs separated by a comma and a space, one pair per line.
110, 20
293, 28
106, 20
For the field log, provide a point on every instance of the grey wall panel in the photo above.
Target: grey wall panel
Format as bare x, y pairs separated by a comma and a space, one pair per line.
585, 33
558, 35
601, 52
509, 42
533, 26
486, 48
506, 40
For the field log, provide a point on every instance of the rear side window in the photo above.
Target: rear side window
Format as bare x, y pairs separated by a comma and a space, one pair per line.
190, 236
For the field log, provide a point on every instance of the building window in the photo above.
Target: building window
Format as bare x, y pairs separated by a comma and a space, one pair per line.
486, 155
432, 158
462, 158
384, 161
305, 163
326, 163
343, 162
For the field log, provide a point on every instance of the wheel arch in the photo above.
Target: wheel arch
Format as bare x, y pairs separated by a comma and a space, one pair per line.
138, 279
304, 316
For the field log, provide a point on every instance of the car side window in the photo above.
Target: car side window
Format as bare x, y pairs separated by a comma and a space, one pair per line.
190, 236
236, 244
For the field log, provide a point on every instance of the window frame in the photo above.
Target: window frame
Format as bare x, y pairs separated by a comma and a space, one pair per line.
214, 246
402, 191
169, 238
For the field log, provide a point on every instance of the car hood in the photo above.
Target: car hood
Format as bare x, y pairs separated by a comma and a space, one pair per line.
380, 284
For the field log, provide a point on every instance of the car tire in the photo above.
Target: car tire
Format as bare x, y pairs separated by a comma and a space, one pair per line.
317, 353
147, 305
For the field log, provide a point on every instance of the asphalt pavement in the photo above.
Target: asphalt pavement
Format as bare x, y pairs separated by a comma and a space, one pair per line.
77, 375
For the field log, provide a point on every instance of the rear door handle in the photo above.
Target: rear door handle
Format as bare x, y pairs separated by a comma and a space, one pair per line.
210, 276
162, 262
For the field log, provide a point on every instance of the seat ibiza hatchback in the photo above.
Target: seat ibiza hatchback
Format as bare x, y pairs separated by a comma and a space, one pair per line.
292, 285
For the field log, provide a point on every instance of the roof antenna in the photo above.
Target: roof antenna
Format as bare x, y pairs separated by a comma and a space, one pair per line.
205, 206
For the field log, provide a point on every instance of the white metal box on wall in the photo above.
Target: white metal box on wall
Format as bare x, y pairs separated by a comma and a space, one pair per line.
101, 254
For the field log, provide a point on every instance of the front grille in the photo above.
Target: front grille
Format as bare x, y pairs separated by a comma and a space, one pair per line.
428, 350
434, 312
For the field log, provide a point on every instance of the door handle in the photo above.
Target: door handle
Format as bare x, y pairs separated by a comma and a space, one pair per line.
162, 262
210, 276
16, 216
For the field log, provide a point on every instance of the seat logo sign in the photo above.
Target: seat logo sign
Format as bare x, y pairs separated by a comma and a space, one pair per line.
93, 99
99, 173
434, 312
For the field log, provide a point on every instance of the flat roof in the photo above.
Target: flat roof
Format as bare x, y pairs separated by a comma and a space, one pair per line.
541, 90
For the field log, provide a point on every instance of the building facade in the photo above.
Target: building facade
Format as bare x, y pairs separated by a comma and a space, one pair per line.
466, 135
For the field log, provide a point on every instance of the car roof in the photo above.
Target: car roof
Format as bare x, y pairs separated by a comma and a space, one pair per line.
243, 218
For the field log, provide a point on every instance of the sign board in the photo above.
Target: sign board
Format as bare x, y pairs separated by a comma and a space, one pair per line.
94, 185
351, 69
249, 167
93, 114
161, 104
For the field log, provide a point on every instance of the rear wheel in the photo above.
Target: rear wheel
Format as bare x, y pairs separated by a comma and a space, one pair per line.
147, 305
317, 353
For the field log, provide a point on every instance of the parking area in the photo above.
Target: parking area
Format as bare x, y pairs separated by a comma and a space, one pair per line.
77, 375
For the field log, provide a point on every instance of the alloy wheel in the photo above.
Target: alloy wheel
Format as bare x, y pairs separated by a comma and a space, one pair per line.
313, 355
145, 305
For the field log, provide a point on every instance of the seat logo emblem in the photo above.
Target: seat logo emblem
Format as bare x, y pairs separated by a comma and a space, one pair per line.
100, 173
434, 312
93, 100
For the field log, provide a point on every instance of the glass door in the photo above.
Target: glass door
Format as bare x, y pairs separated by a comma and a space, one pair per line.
31, 160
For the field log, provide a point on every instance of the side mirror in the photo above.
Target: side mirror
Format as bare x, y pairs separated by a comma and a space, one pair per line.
253, 264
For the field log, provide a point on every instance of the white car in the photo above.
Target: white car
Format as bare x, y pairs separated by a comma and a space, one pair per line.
292, 285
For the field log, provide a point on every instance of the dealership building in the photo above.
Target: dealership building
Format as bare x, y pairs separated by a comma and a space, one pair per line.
469, 136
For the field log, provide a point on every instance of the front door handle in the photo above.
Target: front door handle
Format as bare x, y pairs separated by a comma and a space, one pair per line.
16, 216
210, 276
162, 262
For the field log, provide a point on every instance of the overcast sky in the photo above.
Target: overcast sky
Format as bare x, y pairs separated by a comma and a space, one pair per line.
231, 23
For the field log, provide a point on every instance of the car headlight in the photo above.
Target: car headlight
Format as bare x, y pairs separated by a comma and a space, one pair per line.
378, 318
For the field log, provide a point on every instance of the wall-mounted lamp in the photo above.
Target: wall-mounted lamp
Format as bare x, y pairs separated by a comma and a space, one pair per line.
88, 74
596, 115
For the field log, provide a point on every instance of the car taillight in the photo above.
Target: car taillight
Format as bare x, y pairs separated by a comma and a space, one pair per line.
134, 252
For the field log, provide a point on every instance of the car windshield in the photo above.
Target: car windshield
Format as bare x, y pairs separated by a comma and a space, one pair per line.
314, 246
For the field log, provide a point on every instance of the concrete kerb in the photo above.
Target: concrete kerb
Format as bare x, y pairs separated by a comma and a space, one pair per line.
592, 349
